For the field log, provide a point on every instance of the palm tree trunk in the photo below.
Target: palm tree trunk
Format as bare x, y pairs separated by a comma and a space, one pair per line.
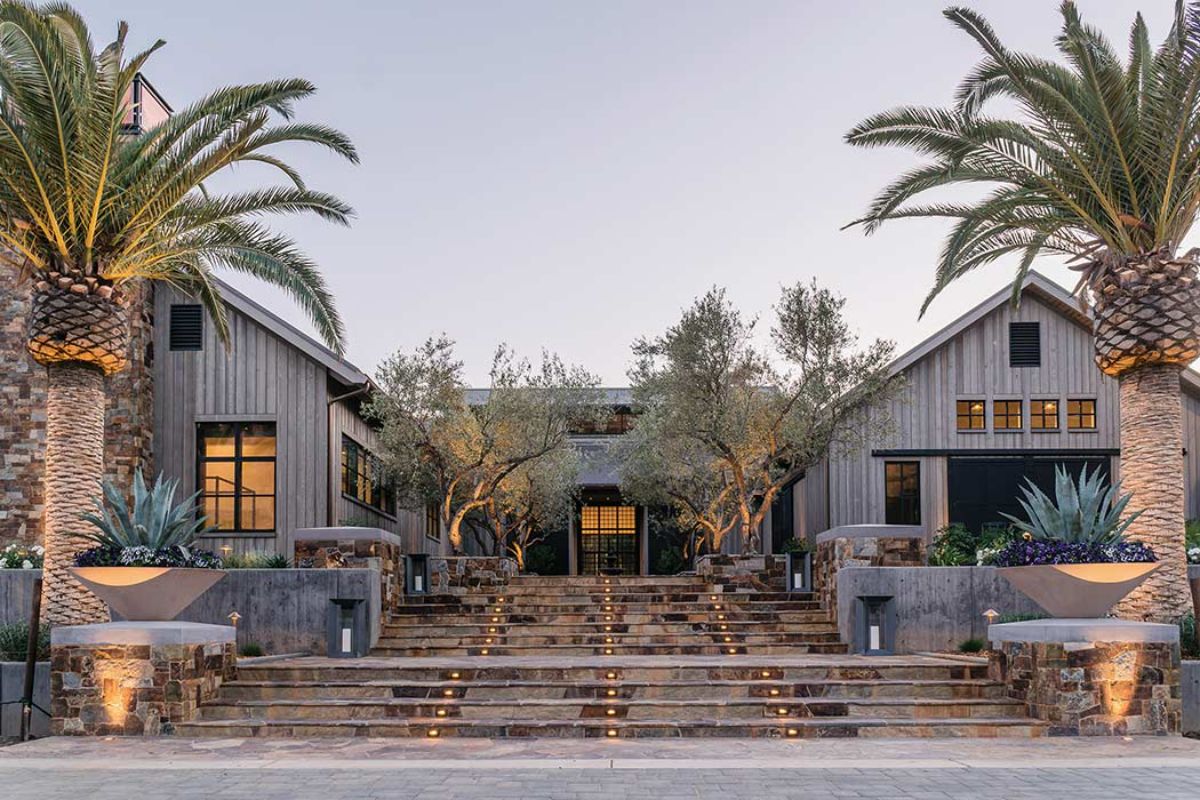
1152, 469
74, 470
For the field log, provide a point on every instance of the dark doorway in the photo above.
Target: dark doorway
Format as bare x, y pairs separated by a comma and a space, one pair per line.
981, 489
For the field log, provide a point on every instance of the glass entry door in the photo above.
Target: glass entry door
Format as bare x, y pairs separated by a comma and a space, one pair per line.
608, 537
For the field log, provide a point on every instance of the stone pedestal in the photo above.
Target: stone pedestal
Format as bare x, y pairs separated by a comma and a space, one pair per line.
135, 678
348, 547
1092, 677
864, 546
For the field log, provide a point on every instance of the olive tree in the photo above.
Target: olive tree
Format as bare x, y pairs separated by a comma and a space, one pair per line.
728, 420
454, 447
532, 501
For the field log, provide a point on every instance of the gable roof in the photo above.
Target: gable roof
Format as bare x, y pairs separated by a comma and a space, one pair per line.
1037, 285
339, 368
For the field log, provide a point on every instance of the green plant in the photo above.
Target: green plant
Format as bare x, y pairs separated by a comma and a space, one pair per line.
670, 562
256, 561
1086, 513
156, 521
953, 546
540, 560
1189, 637
1192, 541
1019, 617
14, 642
796, 545
21, 556
972, 646
251, 650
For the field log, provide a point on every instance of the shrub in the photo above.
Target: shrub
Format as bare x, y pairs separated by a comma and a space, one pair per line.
953, 546
1019, 618
256, 561
1192, 540
1189, 637
796, 546
145, 557
251, 650
540, 560
20, 556
972, 646
670, 562
14, 642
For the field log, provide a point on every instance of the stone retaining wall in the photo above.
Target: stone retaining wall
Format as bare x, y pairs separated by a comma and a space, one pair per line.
758, 572
864, 546
1094, 688
354, 548
461, 575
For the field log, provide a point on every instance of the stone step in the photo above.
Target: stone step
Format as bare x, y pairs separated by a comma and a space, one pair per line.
630, 617
526, 709
656, 649
698, 594
625, 689
604, 728
645, 628
423, 612
806, 669
520, 638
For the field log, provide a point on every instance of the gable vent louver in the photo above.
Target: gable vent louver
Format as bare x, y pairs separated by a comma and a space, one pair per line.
187, 327
1024, 344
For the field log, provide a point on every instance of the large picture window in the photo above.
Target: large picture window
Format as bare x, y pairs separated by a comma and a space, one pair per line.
902, 487
236, 473
364, 479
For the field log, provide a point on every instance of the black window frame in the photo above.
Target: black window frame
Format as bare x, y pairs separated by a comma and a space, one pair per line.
1002, 409
1024, 345
433, 521
381, 492
239, 428
1080, 415
904, 507
1035, 414
970, 416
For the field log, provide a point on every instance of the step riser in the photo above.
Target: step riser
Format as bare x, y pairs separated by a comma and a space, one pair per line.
731, 650
664, 629
600, 639
365, 729
601, 618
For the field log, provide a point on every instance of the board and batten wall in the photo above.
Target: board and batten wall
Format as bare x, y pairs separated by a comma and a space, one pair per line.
973, 365
260, 377
408, 525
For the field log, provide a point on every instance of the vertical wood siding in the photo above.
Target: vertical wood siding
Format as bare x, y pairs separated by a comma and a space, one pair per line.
260, 377
974, 365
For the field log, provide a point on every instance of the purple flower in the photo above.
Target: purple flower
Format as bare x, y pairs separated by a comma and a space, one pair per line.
1022, 553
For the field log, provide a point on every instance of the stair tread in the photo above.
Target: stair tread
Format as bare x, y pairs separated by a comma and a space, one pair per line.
645, 701
604, 722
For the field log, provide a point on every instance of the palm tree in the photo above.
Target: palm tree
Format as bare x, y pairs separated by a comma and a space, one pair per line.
1099, 161
90, 213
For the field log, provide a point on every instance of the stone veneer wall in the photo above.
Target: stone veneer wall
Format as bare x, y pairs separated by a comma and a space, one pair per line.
1094, 688
133, 690
861, 551
129, 418
751, 572
385, 556
461, 575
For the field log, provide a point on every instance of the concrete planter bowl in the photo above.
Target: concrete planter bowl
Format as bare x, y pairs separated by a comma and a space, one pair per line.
1078, 591
148, 594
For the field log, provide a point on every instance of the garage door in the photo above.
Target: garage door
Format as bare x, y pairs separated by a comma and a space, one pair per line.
981, 488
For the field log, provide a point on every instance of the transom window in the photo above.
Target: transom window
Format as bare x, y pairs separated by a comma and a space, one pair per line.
1006, 415
236, 473
902, 492
364, 478
971, 415
1043, 415
1081, 415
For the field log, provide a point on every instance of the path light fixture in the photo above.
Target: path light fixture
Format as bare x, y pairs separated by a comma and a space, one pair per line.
991, 615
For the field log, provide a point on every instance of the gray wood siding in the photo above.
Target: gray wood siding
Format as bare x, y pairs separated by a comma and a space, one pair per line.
974, 365
408, 525
1191, 460
261, 377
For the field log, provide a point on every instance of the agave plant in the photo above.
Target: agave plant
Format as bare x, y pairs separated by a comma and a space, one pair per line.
156, 522
1088, 513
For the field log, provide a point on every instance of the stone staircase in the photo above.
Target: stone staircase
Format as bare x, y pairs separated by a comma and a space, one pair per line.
613, 658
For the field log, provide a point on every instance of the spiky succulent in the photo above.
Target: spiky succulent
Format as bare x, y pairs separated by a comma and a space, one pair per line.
1088, 513
156, 522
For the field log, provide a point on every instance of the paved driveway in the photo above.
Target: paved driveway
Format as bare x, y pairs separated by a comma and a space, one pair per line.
124, 769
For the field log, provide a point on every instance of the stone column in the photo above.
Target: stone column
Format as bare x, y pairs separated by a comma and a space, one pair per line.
1092, 677
135, 678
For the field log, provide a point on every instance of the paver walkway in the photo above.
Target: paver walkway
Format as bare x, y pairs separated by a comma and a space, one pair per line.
67, 769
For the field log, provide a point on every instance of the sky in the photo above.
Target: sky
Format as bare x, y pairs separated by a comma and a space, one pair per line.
568, 175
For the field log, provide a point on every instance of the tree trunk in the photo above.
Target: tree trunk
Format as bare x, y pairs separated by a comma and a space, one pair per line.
74, 471
1152, 469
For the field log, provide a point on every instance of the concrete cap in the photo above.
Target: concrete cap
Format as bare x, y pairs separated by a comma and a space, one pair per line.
144, 633
1083, 630
345, 534
873, 532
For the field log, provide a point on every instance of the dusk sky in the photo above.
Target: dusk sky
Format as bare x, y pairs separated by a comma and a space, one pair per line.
570, 175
